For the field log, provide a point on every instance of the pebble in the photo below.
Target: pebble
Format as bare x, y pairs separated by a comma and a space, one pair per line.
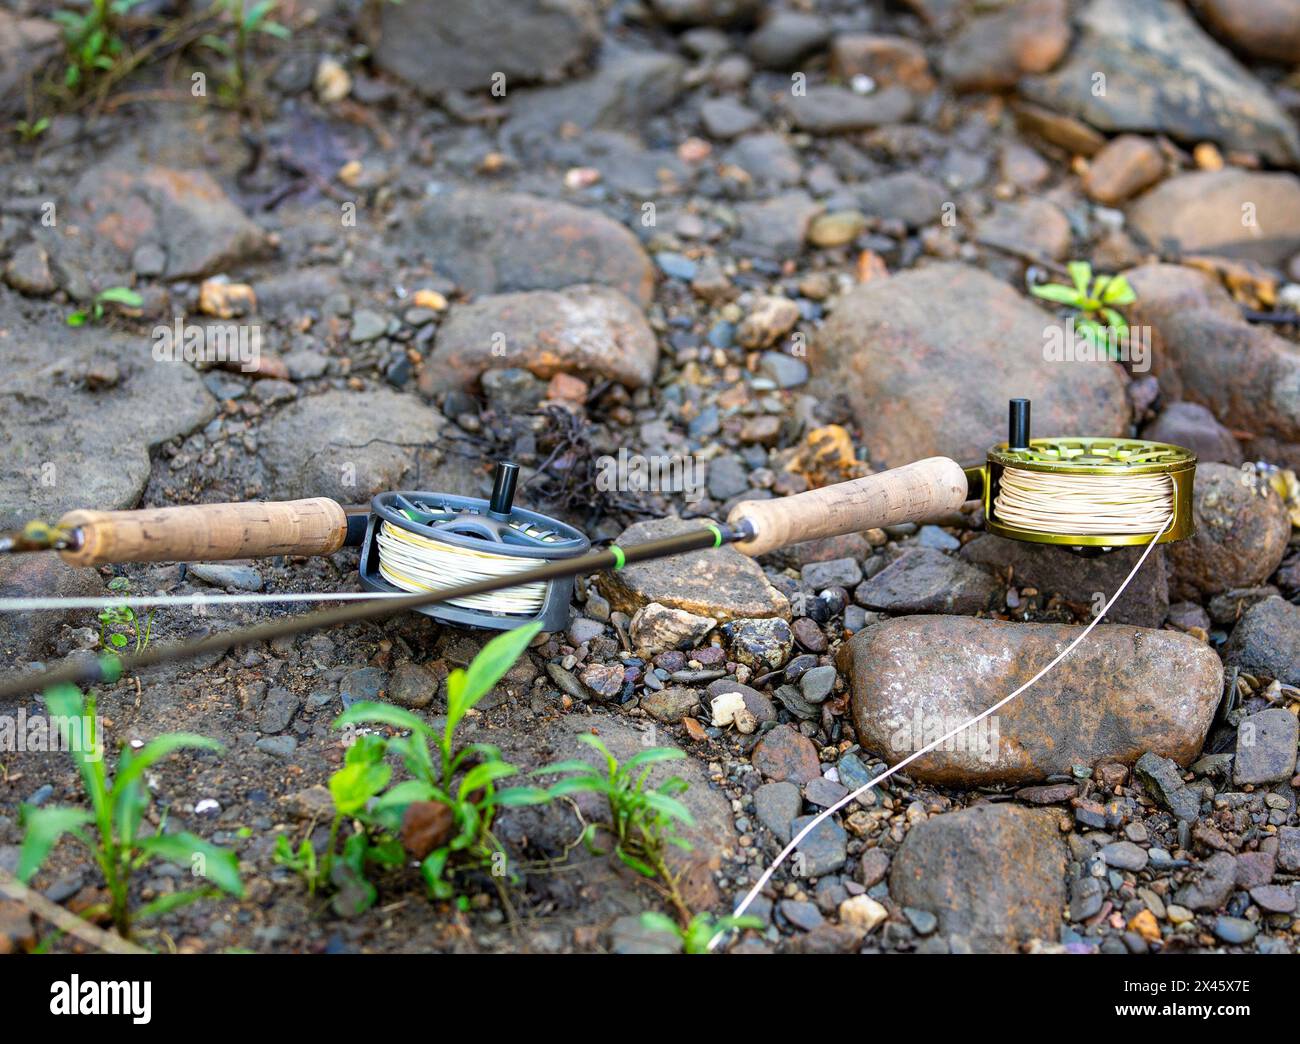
802, 915
816, 685
1124, 855
220, 574
862, 913
824, 850
822, 792
776, 805
367, 325
1266, 747
838, 572
277, 746
1234, 930
922, 920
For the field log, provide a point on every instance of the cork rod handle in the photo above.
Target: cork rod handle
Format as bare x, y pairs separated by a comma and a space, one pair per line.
912, 493
207, 532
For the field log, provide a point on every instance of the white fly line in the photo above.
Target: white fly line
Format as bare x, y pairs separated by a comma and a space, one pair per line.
1087, 505
766, 876
35, 605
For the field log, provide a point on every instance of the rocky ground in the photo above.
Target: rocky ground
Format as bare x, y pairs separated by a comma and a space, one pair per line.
789, 244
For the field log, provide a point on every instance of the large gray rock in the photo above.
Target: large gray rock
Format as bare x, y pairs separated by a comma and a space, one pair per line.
994, 875
906, 196
66, 446
722, 583
586, 329
1053, 571
1203, 350
1163, 74
1229, 212
925, 580
1266, 641
627, 88
1121, 692
347, 445
492, 242
905, 350
436, 45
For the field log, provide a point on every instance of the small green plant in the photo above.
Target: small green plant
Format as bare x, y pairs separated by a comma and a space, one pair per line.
111, 830
248, 21
1097, 300
30, 130
91, 39
643, 819
700, 930
118, 624
114, 295
443, 815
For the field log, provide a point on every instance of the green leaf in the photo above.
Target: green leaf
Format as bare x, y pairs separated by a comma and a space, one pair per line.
652, 755
578, 785
1080, 275
653, 921
432, 868
218, 865
1119, 292
1058, 293
481, 775
409, 791
669, 806
167, 903
639, 865
354, 785
511, 797
368, 712
572, 765
44, 827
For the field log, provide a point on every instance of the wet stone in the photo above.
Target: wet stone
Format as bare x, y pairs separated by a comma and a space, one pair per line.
777, 805
824, 850
1266, 747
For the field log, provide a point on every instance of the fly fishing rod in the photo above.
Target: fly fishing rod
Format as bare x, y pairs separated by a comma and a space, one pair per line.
488, 563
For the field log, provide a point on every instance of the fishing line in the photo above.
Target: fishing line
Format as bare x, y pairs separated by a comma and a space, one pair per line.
820, 817
1048, 502
13, 605
417, 563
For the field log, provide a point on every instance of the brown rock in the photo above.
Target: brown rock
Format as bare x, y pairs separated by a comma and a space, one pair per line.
1028, 228
1122, 169
1022, 166
585, 329
493, 242
992, 51
125, 206
671, 704
888, 60
903, 350
1145, 603
1124, 691
17, 927
994, 875
769, 319
1191, 425
1204, 351
722, 583
784, 754
1265, 29
1230, 212
1241, 534
1069, 133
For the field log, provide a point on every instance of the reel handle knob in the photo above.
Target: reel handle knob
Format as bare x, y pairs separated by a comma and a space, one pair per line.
206, 532
913, 493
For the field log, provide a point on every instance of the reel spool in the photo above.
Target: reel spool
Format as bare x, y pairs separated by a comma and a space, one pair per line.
422, 541
1086, 492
